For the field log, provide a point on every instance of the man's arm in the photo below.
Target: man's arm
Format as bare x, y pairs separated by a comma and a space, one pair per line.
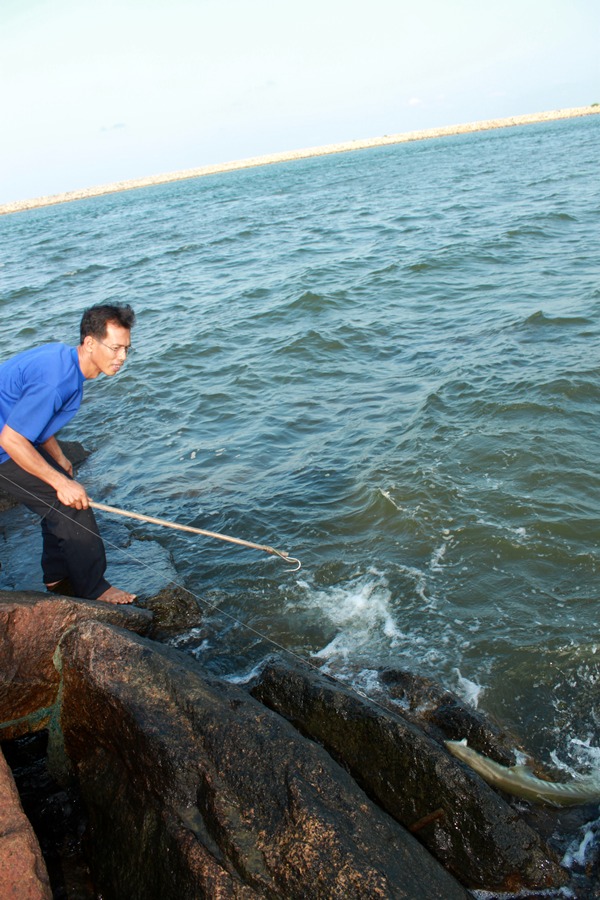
22, 451
52, 447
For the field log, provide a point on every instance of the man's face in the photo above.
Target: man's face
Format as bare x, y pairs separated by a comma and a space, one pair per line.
109, 354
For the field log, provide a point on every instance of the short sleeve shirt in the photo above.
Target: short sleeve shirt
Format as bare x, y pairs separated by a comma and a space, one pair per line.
40, 391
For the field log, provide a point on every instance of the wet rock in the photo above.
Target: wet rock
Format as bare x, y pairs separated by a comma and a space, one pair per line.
443, 715
23, 875
174, 611
464, 823
194, 789
56, 815
73, 450
31, 625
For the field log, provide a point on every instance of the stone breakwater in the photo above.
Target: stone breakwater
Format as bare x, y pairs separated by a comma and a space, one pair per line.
287, 156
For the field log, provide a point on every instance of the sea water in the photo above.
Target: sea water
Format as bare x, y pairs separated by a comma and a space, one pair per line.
382, 362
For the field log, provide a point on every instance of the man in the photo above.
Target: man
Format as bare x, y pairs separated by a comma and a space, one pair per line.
40, 391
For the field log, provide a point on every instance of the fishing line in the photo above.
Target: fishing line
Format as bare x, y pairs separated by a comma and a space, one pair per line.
263, 637
214, 607
174, 525
155, 572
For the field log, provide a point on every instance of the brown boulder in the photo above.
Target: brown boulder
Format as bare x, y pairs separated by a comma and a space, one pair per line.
31, 625
466, 825
194, 789
23, 874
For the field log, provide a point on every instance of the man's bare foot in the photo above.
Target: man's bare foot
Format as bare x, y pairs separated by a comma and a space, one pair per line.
115, 595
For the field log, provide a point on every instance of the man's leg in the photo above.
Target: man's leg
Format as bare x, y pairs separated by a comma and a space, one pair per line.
72, 544
72, 536
53, 565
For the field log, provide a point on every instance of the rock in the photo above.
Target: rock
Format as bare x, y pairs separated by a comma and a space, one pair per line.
73, 450
443, 715
23, 874
194, 789
56, 815
174, 611
465, 824
31, 625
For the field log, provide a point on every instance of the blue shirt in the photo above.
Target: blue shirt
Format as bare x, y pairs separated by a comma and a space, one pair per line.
40, 391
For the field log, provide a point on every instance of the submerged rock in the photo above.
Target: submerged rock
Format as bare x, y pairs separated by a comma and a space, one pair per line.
174, 610
194, 789
464, 823
443, 715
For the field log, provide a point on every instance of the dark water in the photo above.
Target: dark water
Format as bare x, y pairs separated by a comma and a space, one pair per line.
384, 362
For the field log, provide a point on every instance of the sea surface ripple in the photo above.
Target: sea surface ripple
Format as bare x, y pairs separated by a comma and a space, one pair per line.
384, 362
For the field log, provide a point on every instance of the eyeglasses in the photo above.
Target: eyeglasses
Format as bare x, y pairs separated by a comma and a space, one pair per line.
121, 348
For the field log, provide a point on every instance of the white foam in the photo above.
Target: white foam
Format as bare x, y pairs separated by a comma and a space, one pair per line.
550, 893
244, 677
437, 557
388, 497
421, 586
361, 610
578, 850
586, 749
468, 690
585, 755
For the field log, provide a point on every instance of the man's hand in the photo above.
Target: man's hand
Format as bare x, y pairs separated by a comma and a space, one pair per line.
71, 493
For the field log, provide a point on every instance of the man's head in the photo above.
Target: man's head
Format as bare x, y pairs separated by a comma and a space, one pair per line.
96, 318
105, 339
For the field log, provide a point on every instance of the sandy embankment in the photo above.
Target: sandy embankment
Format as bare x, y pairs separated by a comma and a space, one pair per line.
286, 156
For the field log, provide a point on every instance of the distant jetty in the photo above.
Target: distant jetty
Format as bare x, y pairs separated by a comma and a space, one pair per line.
286, 156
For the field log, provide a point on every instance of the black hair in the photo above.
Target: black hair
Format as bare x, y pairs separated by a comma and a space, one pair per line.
96, 318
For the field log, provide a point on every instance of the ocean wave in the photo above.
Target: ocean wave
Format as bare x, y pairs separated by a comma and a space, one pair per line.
539, 319
22, 293
184, 249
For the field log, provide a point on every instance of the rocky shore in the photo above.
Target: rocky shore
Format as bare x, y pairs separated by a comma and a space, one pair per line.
286, 156
288, 786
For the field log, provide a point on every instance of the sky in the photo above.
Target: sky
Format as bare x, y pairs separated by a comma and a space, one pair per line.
96, 92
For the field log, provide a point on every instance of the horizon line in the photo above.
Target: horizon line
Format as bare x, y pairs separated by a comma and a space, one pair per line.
290, 155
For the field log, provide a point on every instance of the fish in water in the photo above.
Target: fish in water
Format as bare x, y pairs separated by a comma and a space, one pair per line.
521, 782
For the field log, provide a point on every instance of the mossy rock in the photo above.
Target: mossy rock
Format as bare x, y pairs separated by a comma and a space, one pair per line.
175, 610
